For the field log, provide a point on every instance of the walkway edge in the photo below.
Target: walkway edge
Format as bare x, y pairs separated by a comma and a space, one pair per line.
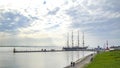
81, 60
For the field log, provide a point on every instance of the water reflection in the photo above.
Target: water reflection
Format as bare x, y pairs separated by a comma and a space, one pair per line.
83, 53
72, 56
39, 60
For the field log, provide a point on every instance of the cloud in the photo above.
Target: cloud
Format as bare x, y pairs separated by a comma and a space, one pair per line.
44, 2
53, 27
12, 20
54, 11
100, 18
31, 41
47, 20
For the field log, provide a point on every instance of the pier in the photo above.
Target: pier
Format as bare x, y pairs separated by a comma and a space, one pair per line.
37, 51
27, 51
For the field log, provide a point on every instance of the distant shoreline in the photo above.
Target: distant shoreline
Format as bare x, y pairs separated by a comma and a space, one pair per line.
29, 46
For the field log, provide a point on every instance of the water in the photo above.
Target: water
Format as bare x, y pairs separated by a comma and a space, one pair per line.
8, 59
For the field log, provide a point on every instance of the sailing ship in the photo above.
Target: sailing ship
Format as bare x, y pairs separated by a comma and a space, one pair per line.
74, 48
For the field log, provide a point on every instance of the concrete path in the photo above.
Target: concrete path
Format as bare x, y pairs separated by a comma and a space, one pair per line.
81, 63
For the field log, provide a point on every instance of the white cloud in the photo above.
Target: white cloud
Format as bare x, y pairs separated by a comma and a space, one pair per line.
52, 19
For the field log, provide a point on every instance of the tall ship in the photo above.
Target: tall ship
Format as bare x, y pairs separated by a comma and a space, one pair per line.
75, 48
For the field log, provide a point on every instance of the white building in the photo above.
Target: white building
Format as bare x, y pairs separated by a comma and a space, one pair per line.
115, 48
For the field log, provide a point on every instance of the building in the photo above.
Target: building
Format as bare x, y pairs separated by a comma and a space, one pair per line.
115, 48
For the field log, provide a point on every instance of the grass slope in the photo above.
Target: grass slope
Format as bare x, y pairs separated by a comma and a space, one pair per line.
109, 59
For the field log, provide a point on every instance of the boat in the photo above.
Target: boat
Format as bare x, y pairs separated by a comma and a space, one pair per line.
74, 48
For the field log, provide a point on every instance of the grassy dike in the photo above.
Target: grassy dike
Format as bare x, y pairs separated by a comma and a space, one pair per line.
109, 59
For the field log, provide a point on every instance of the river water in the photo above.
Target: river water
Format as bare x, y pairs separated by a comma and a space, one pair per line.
8, 59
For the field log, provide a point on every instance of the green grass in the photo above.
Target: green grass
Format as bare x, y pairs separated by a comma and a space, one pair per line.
109, 59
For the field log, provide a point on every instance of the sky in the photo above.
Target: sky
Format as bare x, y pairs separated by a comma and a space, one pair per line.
47, 22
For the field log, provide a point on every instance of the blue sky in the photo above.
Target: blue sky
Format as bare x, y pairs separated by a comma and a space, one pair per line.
46, 22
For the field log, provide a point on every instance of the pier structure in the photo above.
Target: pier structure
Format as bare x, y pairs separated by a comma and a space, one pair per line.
29, 51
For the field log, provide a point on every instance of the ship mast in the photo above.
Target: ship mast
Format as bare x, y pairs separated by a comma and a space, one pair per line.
72, 40
83, 40
78, 38
67, 39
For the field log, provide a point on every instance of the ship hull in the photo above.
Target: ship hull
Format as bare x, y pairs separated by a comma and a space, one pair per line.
74, 48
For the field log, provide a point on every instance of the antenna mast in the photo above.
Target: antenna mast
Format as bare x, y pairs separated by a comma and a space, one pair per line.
107, 44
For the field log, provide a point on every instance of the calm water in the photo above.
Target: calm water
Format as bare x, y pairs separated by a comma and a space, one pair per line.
37, 59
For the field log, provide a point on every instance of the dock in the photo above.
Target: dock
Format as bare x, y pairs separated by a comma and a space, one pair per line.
27, 51
38, 51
